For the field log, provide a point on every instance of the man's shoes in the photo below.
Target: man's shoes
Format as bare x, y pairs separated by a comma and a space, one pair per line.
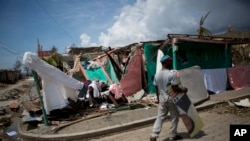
152, 139
177, 137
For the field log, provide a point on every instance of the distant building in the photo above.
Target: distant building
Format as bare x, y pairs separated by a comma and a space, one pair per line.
40, 52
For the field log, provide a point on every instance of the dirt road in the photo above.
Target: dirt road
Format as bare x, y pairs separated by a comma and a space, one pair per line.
22, 85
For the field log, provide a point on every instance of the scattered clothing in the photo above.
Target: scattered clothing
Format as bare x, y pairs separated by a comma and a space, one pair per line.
94, 93
116, 90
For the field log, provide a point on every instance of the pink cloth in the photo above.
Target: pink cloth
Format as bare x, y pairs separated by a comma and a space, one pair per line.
116, 89
239, 77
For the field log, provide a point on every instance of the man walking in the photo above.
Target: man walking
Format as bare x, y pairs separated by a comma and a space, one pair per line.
162, 80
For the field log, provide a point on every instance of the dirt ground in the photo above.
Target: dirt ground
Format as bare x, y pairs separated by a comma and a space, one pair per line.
231, 108
11, 96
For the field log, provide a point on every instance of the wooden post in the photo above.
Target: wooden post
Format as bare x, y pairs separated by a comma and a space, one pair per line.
84, 73
226, 55
105, 73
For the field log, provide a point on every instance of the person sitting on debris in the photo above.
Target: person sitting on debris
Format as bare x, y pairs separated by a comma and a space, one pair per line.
83, 92
93, 93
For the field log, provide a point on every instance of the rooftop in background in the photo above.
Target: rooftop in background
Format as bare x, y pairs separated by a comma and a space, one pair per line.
44, 53
77, 50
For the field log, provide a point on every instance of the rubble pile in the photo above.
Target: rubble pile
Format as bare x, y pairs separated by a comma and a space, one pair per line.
4, 118
11, 94
10, 102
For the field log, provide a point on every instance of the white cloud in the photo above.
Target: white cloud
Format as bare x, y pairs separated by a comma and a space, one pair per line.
148, 20
85, 39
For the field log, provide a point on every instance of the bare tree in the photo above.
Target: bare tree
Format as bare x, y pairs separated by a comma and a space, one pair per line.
54, 49
17, 65
27, 70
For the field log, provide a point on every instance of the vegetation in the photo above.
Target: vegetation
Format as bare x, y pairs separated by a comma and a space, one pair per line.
27, 70
55, 59
17, 65
241, 55
202, 31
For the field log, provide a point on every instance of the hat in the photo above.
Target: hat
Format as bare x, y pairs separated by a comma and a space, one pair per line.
166, 58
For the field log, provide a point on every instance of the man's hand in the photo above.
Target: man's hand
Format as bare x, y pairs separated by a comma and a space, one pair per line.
173, 93
185, 90
177, 89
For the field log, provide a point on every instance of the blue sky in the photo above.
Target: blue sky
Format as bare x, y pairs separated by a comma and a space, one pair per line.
113, 23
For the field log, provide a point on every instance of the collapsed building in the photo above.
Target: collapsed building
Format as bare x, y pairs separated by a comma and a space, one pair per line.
205, 66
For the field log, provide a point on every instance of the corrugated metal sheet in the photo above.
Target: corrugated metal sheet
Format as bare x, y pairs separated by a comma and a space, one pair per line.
77, 50
236, 34
132, 81
192, 78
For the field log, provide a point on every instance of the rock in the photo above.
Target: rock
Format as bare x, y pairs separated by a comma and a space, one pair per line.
2, 111
14, 105
5, 120
231, 104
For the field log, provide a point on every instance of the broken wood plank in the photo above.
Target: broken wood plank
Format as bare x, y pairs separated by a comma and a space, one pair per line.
56, 128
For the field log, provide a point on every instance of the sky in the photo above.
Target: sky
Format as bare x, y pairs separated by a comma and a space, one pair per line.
108, 23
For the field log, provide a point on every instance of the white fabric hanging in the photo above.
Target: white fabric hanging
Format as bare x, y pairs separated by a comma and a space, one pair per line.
158, 63
57, 85
215, 79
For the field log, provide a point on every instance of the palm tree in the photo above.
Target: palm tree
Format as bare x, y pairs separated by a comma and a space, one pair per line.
55, 59
202, 31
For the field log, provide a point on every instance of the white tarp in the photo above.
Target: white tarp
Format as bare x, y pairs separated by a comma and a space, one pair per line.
215, 79
158, 62
57, 85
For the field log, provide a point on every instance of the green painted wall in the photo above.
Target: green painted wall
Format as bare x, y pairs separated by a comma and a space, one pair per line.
205, 55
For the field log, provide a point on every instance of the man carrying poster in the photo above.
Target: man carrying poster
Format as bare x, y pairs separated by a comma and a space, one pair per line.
162, 80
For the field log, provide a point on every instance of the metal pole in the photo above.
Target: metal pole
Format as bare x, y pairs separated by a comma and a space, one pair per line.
226, 55
40, 98
174, 49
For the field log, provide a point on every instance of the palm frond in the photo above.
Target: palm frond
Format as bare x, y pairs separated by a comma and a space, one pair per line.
50, 61
202, 31
206, 15
206, 32
201, 21
203, 18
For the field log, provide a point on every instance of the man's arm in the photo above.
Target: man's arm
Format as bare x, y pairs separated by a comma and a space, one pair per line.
178, 89
157, 93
